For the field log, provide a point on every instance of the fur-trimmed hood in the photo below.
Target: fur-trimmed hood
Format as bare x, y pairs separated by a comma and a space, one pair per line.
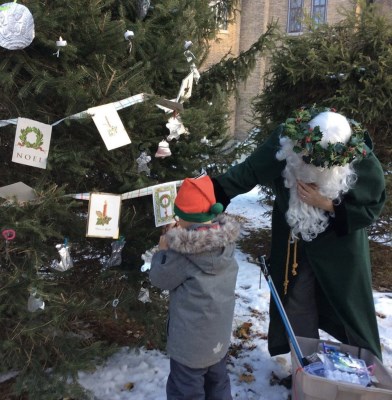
200, 238
200, 270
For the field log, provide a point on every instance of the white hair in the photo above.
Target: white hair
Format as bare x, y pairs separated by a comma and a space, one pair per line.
334, 126
306, 220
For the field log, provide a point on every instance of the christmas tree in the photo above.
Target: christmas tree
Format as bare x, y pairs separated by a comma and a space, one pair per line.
70, 71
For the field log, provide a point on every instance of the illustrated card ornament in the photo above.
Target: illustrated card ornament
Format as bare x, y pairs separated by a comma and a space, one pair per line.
104, 215
163, 200
110, 126
186, 88
32, 142
16, 26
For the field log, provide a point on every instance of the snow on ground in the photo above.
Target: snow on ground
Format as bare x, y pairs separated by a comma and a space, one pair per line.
250, 366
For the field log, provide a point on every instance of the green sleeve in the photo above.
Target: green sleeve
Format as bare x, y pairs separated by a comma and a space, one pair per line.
362, 205
260, 168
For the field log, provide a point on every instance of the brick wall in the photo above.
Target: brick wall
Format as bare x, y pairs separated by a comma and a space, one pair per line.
249, 25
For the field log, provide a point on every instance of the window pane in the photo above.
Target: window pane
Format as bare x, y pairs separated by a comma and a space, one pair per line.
221, 14
319, 11
295, 16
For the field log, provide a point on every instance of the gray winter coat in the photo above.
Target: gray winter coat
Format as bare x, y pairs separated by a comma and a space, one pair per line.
200, 271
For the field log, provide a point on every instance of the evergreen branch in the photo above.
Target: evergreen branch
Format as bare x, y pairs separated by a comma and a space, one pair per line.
233, 71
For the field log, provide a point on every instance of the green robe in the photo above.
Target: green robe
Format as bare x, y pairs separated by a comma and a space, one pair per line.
339, 256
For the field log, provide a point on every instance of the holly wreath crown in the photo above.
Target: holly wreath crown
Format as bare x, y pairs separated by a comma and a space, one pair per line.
308, 141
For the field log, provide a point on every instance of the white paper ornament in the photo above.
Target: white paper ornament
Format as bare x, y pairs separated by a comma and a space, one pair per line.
163, 150
176, 128
16, 26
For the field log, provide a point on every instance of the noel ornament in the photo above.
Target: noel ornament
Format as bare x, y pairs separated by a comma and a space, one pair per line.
176, 128
142, 162
163, 150
16, 26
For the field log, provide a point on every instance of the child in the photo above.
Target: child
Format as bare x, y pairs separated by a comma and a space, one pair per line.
196, 263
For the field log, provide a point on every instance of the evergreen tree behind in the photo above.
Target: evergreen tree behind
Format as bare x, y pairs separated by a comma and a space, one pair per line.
347, 66
98, 66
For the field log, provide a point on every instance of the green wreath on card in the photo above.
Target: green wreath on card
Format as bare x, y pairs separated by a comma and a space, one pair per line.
39, 138
165, 200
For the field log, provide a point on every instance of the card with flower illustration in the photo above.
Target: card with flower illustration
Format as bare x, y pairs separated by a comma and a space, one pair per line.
163, 200
110, 126
32, 141
104, 215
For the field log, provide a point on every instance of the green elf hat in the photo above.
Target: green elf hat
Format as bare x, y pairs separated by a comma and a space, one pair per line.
196, 202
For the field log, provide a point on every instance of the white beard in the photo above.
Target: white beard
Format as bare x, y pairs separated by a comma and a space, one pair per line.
306, 220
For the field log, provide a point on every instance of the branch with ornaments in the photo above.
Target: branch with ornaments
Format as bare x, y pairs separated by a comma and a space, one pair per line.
17, 31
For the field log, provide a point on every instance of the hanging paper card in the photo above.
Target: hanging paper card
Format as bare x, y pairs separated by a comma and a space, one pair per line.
32, 141
186, 88
103, 215
18, 191
163, 199
110, 126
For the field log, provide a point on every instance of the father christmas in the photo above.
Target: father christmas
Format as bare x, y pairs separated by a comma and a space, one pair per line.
329, 187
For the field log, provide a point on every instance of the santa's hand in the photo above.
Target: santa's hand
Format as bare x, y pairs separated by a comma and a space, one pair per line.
309, 194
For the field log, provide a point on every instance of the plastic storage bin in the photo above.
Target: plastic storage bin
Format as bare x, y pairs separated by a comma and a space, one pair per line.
308, 386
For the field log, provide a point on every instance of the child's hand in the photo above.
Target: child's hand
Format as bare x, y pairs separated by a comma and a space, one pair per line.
167, 228
163, 243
